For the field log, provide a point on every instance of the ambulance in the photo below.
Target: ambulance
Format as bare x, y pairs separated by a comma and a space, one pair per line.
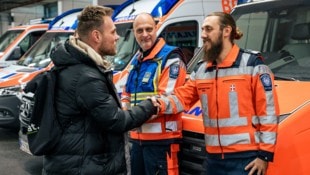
178, 22
36, 60
17, 40
280, 30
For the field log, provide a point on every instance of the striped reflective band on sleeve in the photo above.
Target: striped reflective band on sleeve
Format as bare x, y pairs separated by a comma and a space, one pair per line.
171, 81
271, 119
170, 86
270, 109
170, 102
179, 107
265, 137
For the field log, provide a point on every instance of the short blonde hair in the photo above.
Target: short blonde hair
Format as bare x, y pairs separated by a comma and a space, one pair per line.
91, 18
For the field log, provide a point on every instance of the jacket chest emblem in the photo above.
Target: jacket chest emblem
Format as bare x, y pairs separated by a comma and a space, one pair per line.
146, 77
232, 87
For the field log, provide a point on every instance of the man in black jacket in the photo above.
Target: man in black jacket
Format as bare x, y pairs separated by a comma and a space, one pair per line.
94, 141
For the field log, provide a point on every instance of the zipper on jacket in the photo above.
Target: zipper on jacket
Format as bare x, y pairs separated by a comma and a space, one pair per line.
217, 108
137, 69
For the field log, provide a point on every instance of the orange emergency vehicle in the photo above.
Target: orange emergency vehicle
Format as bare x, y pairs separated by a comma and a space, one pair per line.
17, 40
13, 77
280, 30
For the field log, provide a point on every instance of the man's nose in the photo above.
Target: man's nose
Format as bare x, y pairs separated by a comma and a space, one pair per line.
144, 32
204, 34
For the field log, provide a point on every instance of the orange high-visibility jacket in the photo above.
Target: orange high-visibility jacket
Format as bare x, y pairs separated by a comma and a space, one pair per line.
239, 104
157, 73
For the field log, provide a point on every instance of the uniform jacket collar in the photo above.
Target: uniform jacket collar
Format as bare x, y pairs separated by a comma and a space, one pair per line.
151, 53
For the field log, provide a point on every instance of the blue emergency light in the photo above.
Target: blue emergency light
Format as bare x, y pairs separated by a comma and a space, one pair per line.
56, 19
243, 1
162, 8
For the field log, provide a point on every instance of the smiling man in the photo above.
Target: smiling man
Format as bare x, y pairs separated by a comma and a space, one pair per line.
94, 137
239, 102
156, 69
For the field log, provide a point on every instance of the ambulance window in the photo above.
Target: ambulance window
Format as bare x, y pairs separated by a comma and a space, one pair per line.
8, 37
253, 26
282, 36
25, 44
39, 54
183, 35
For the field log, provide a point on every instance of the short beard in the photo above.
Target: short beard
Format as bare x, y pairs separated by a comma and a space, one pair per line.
214, 52
107, 52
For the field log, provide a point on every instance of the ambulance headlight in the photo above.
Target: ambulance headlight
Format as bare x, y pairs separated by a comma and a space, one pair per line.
11, 90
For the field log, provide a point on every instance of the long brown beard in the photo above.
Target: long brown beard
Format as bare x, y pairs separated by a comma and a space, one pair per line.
214, 52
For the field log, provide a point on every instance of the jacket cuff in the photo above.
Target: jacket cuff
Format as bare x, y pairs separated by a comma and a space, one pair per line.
265, 155
162, 106
155, 109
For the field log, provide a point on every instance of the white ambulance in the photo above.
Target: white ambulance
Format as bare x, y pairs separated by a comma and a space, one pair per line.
178, 22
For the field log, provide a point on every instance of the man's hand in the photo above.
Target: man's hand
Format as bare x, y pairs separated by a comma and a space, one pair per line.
156, 104
257, 165
154, 101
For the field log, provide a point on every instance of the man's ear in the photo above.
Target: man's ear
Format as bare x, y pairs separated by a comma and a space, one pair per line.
96, 36
227, 31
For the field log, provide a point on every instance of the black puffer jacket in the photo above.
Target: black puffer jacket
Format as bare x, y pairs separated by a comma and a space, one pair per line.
93, 142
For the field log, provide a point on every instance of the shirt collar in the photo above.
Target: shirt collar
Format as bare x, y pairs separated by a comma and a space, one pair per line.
151, 53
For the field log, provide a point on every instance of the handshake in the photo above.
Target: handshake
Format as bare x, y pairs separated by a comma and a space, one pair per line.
156, 103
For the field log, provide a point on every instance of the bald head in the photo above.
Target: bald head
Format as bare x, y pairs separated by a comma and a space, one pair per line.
143, 17
144, 27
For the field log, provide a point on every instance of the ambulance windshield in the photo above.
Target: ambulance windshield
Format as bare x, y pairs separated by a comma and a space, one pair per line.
39, 55
8, 37
126, 46
282, 35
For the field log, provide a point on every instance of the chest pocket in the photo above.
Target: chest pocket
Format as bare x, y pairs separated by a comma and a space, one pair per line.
205, 87
149, 76
144, 77
236, 83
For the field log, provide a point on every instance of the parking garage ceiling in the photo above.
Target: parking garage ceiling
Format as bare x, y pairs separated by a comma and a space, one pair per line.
6, 5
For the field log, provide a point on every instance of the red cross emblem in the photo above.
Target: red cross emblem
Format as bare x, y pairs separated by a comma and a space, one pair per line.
232, 87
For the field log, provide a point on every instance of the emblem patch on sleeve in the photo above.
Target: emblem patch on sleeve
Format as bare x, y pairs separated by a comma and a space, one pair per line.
174, 71
266, 81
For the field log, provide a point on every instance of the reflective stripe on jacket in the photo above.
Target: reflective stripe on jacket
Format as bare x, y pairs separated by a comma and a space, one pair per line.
157, 74
238, 100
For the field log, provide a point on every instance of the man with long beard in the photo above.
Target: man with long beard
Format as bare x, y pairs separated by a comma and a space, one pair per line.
238, 100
